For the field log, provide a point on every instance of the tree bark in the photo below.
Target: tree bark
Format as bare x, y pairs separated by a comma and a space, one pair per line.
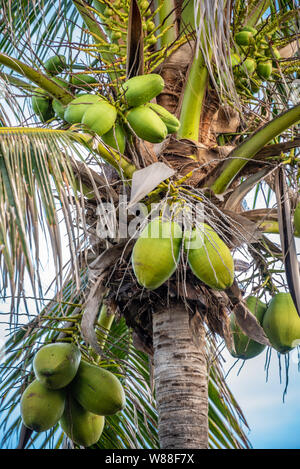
181, 379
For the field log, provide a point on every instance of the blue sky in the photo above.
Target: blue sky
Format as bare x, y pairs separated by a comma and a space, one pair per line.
273, 424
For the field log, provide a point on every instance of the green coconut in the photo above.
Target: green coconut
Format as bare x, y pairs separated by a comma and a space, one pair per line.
141, 89
81, 426
248, 66
59, 108
156, 253
115, 138
41, 105
244, 38
244, 347
55, 365
235, 59
209, 258
77, 108
82, 80
147, 124
41, 408
251, 29
100, 117
171, 122
97, 390
264, 69
56, 64
281, 323
297, 218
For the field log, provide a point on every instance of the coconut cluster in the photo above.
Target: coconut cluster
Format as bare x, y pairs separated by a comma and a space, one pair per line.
253, 60
156, 254
133, 111
42, 104
72, 392
280, 321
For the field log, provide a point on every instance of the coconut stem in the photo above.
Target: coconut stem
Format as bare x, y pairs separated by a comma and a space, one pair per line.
112, 157
251, 146
256, 14
104, 322
36, 77
193, 99
167, 19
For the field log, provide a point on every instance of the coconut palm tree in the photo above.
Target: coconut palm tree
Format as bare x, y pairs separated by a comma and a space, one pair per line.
228, 69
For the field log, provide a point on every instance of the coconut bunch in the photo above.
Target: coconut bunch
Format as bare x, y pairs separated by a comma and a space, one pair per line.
115, 15
42, 104
149, 121
252, 59
71, 392
156, 254
279, 320
113, 122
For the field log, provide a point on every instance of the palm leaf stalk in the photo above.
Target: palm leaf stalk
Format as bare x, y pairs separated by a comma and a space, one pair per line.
36, 77
167, 20
193, 99
250, 147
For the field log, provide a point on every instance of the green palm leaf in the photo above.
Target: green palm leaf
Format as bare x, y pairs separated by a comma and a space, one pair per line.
136, 425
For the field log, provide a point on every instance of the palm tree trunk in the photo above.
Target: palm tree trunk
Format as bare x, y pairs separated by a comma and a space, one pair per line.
181, 379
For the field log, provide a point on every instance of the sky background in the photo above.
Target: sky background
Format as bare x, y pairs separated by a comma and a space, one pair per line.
273, 424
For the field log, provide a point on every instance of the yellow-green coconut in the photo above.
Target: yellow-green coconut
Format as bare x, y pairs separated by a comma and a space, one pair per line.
209, 258
100, 117
78, 106
97, 390
156, 253
281, 323
141, 89
147, 124
41, 408
81, 426
244, 347
55, 365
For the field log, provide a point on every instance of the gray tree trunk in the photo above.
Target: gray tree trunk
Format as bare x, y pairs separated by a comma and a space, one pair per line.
181, 379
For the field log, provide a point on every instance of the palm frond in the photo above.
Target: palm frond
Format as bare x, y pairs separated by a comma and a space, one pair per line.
136, 426
35, 169
46, 22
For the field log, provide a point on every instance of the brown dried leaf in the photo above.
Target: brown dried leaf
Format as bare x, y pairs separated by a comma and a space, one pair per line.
98, 270
135, 46
242, 229
226, 120
92, 307
249, 324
